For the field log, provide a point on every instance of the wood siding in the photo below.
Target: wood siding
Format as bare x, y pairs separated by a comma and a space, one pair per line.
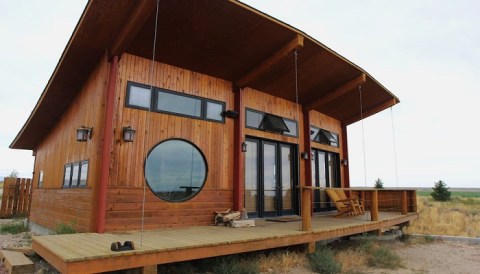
51, 204
215, 140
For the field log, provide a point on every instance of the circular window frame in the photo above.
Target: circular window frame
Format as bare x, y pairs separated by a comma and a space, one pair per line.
204, 161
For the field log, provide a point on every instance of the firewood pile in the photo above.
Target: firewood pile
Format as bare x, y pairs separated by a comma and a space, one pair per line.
227, 217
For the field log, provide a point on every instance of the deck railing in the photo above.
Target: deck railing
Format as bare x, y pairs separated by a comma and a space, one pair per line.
374, 200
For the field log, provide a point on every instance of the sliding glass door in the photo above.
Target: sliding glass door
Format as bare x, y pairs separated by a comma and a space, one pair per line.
325, 173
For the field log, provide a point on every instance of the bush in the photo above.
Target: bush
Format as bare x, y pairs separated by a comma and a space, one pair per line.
323, 261
383, 257
234, 265
63, 228
441, 192
14, 228
378, 183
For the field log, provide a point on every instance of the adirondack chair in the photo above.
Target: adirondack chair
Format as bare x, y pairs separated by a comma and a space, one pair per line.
348, 206
358, 203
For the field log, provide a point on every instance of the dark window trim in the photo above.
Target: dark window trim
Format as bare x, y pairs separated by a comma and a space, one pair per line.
82, 164
224, 106
70, 165
129, 84
154, 102
263, 117
326, 134
201, 154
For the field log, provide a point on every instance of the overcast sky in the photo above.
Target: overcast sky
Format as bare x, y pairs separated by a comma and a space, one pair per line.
425, 52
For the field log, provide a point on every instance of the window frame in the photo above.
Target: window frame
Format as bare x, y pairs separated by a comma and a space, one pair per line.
40, 179
261, 128
70, 166
130, 84
154, 102
318, 139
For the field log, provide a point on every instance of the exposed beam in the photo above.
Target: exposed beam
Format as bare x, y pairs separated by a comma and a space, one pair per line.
370, 111
338, 92
132, 26
274, 59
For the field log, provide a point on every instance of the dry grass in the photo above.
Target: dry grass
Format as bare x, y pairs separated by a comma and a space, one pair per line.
458, 217
281, 262
352, 260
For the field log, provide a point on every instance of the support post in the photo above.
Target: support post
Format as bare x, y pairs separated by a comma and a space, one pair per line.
404, 204
345, 169
150, 269
374, 206
106, 146
238, 155
306, 208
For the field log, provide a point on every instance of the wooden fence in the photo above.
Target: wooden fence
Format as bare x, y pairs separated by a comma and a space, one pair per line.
17, 194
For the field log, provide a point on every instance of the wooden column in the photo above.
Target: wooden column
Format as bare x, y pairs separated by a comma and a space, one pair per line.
306, 187
345, 169
107, 141
238, 155
404, 203
306, 208
374, 205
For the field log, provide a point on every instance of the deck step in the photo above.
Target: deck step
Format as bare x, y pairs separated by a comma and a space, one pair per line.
16, 262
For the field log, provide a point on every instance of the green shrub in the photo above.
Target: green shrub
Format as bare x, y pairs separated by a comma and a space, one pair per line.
441, 192
63, 228
323, 261
383, 257
13, 228
378, 184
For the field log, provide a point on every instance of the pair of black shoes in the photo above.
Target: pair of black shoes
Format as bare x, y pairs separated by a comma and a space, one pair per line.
117, 246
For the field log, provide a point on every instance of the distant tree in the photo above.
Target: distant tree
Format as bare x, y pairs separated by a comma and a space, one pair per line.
441, 191
13, 174
378, 183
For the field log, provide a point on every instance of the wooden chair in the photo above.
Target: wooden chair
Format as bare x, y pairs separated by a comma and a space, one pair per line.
357, 203
348, 206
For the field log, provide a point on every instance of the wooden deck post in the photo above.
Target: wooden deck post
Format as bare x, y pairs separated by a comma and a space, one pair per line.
150, 269
374, 205
344, 168
306, 209
404, 203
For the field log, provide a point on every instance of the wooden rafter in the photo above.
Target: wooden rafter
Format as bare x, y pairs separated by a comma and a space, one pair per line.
338, 92
370, 111
274, 59
132, 26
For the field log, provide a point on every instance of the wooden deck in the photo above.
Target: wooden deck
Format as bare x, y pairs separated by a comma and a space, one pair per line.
90, 252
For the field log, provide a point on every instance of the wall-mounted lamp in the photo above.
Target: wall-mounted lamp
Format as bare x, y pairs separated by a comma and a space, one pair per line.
230, 114
344, 162
244, 147
128, 134
304, 155
84, 133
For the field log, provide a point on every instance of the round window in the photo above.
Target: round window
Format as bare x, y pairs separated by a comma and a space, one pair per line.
175, 170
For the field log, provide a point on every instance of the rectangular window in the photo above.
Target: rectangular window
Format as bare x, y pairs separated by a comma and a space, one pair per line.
83, 174
269, 122
40, 179
179, 104
67, 175
75, 174
323, 136
176, 103
138, 96
214, 110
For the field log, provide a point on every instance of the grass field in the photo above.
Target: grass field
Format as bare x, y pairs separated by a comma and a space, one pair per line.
458, 217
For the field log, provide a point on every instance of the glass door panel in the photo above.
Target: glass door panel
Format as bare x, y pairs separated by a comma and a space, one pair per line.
286, 179
270, 178
322, 178
251, 177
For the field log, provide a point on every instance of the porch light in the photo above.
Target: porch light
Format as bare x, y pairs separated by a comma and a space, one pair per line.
244, 147
344, 162
304, 155
128, 134
230, 114
84, 133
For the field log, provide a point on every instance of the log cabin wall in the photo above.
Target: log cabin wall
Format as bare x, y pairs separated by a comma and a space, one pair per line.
215, 140
323, 121
52, 204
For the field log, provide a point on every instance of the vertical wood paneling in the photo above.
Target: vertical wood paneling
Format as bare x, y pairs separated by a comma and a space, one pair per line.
60, 147
215, 140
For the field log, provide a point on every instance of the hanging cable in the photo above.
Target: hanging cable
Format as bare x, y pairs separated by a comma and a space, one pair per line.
394, 146
147, 126
363, 136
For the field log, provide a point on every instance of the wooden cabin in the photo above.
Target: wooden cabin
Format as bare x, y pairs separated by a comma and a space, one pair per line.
158, 120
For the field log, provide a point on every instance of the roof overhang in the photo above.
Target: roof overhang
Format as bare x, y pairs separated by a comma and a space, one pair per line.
225, 39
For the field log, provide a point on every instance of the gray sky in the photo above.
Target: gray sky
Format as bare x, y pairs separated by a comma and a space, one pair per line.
425, 52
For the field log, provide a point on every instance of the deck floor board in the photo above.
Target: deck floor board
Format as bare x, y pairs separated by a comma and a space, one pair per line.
159, 246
